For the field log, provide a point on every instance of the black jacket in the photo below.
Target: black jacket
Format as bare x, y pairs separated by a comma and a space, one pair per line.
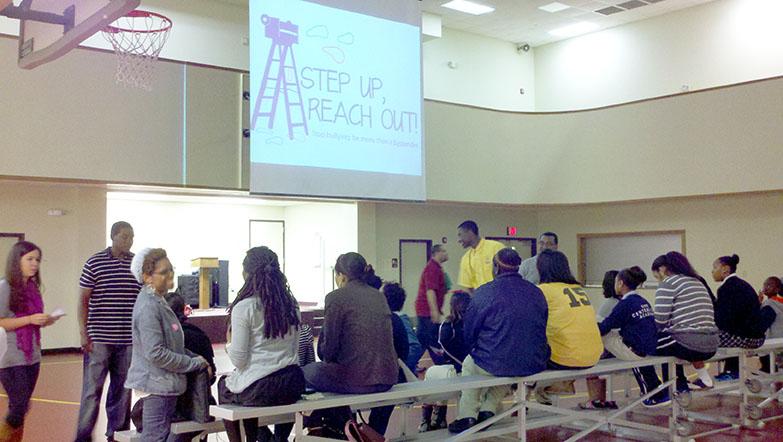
737, 310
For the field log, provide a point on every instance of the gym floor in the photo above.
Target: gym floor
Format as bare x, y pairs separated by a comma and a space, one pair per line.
55, 407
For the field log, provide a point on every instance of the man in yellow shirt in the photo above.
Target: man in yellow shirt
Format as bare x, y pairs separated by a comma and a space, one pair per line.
475, 268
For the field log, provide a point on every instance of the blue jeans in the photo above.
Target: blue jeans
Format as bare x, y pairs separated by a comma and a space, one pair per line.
19, 383
156, 418
104, 359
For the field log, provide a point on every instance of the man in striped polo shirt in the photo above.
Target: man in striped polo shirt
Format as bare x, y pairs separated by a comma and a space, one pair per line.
108, 293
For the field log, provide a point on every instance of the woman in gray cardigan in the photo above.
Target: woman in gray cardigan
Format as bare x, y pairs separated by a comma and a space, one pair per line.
159, 359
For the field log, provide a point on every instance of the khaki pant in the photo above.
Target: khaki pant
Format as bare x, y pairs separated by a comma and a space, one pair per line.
613, 343
482, 399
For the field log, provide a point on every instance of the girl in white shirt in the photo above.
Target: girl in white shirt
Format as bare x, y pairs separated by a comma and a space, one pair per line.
264, 346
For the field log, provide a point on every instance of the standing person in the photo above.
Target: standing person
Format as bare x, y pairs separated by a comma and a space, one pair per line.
196, 342
737, 313
22, 316
571, 329
159, 359
505, 330
429, 301
475, 268
684, 317
529, 268
108, 293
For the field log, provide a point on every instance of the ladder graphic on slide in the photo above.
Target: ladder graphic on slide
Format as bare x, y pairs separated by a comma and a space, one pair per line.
280, 74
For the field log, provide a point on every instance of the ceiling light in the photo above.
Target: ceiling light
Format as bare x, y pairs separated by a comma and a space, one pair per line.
575, 29
554, 7
468, 7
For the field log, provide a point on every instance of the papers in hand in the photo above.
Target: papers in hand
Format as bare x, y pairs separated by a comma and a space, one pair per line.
57, 313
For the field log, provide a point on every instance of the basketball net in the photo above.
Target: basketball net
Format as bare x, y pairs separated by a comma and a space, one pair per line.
137, 39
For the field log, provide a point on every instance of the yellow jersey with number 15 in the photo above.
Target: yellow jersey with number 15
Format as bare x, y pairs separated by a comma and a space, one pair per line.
571, 329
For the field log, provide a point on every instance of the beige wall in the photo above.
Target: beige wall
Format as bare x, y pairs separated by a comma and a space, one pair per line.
749, 225
719, 141
434, 221
66, 241
64, 122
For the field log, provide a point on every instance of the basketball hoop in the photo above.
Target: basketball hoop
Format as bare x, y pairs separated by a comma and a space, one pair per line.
137, 39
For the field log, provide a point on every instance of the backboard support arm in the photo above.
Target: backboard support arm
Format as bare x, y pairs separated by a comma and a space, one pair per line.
23, 12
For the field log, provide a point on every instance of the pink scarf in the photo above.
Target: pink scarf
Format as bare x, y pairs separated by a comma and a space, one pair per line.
33, 303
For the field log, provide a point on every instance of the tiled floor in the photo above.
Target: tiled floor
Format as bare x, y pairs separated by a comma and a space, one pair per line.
55, 408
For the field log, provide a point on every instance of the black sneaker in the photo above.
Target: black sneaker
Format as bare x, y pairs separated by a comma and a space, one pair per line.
460, 425
484, 415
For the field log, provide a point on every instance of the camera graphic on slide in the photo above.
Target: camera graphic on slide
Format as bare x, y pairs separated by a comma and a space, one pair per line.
281, 78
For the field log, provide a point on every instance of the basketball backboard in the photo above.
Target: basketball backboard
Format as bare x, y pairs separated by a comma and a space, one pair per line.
50, 28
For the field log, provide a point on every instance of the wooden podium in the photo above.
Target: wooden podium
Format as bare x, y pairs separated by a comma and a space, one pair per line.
204, 287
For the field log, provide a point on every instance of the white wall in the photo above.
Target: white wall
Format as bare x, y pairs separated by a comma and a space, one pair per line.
487, 72
316, 234
717, 43
191, 227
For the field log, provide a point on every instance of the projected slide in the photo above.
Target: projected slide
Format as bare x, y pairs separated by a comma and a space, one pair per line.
335, 97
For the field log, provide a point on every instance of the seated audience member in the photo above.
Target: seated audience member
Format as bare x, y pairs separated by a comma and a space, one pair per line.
611, 298
395, 298
159, 361
736, 313
596, 386
771, 298
264, 346
356, 344
571, 330
196, 340
684, 317
451, 341
505, 330
306, 349
371, 279
629, 333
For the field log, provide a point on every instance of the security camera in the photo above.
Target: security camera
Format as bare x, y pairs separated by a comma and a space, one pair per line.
523, 47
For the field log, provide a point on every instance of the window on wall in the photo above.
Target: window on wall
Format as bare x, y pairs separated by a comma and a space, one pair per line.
601, 252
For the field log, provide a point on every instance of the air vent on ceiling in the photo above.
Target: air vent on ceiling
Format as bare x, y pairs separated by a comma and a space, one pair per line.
625, 6
632, 4
610, 10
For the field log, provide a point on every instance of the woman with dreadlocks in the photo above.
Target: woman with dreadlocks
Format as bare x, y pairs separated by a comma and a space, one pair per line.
264, 346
